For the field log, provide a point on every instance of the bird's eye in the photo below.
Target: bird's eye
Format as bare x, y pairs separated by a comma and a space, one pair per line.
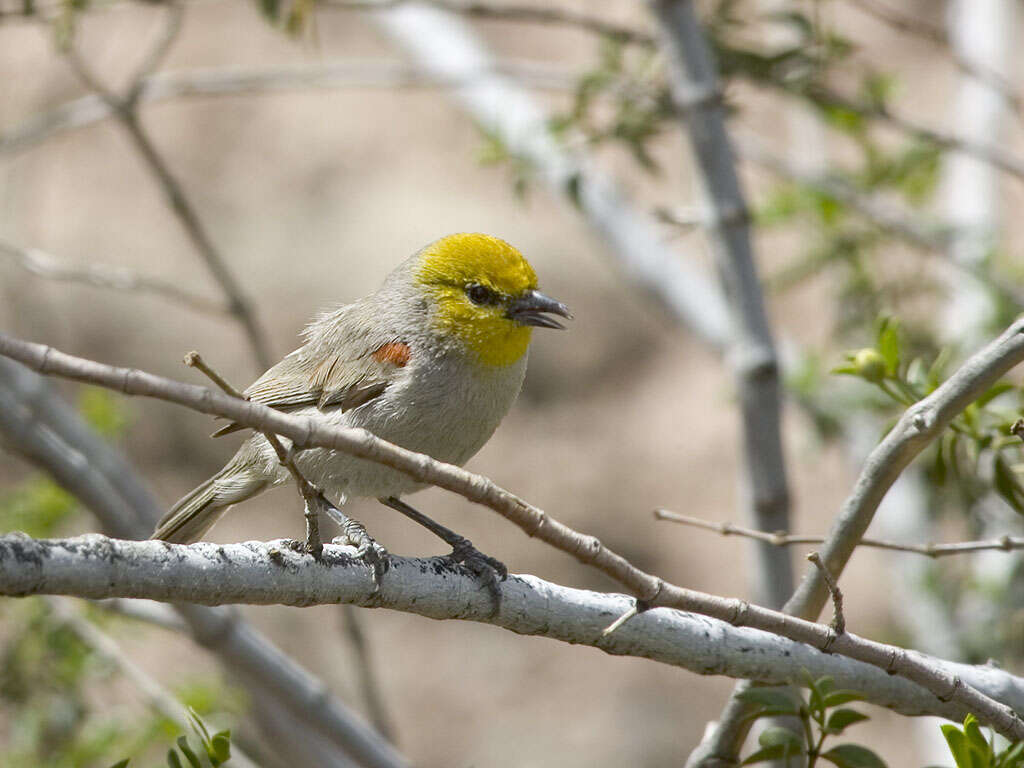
480, 294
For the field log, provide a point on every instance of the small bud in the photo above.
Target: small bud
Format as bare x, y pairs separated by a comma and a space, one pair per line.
870, 365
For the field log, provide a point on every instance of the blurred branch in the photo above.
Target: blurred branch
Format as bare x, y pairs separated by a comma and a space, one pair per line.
751, 349
990, 153
106, 276
925, 418
106, 648
47, 432
444, 45
903, 22
124, 109
355, 73
783, 539
936, 35
369, 684
271, 573
932, 239
532, 14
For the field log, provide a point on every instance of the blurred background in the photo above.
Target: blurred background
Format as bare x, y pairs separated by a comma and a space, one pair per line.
879, 143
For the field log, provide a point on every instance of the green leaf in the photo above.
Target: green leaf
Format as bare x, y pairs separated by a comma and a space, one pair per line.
1006, 485
122, 764
939, 465
186, 750
173, 760
835, 698
889, 344
781, 737
853, 756
976, 739
842, 719
956, 740
779, 700
221, 747
778, 752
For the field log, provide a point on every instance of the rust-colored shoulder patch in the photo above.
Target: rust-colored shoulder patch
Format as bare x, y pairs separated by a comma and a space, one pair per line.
396, 352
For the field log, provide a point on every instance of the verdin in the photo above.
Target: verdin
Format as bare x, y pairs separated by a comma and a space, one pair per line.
432, 361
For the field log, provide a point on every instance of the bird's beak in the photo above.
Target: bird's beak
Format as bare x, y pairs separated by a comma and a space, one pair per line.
533, 307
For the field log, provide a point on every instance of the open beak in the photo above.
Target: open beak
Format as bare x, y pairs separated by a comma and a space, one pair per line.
533, 308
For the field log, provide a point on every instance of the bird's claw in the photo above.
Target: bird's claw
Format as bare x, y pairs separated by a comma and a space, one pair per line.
304, 547
486, 568
371, 553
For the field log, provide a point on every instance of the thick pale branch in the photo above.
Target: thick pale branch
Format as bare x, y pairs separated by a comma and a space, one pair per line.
262, 573
305, 432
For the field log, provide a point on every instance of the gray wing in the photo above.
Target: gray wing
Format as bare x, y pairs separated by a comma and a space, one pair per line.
352, 375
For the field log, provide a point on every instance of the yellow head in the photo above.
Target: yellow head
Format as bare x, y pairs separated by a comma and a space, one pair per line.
486, 296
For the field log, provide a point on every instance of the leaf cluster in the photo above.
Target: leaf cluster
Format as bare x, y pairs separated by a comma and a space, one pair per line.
821, 715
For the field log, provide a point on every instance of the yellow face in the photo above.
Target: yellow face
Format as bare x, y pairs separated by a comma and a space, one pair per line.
476, 281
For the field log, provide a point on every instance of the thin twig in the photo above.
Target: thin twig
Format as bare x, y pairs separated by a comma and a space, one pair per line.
922, 422
262, 573
314, 500
106, 276
634, 609
838, 620
784, 539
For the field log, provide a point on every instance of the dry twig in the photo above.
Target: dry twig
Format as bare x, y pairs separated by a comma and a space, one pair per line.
838, 620
783, 539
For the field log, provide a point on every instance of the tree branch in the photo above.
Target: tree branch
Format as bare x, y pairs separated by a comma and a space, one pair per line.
263, 573
751, 351
926, 417
204, 83
106, 276
783, 539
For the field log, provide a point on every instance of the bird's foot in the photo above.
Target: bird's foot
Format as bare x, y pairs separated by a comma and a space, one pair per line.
304, 547
368, 551
486, 568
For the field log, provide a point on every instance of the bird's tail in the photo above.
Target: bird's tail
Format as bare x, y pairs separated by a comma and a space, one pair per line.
196, 512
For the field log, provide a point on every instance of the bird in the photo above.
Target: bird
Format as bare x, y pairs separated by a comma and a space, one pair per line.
431, 361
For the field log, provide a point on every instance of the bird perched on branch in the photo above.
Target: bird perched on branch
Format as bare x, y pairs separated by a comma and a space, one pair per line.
432, 361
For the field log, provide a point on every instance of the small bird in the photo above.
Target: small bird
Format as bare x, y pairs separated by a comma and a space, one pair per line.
432, 361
